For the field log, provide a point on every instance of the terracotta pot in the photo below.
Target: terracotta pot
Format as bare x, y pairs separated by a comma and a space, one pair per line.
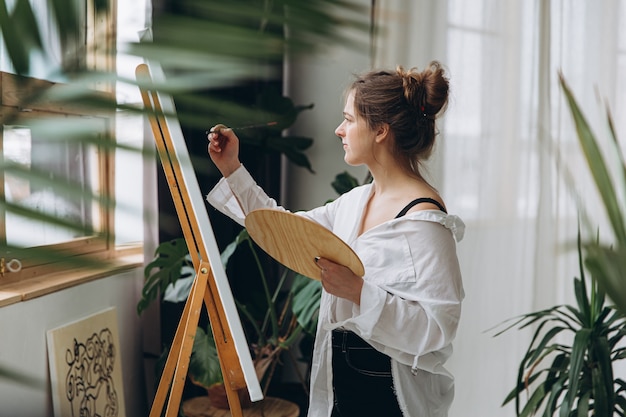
219, 399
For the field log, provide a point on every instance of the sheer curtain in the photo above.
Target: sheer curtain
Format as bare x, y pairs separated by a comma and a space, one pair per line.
508, 160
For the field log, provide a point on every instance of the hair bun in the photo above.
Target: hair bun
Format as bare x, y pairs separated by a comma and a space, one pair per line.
412, 85
425, 91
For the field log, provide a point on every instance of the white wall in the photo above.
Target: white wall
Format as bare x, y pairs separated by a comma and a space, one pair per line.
321, 79
23, 328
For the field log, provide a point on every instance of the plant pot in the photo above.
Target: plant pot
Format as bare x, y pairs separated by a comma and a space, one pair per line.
219, 399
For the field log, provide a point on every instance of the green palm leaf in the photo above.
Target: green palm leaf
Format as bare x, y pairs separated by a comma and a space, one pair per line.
609, 265
597, 165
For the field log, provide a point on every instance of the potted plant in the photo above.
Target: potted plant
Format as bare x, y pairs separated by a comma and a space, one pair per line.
606, 262
573, 378
576, 378
273, 330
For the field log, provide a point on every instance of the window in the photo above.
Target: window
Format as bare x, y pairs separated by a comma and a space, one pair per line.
58, 185
66, 166
50, 173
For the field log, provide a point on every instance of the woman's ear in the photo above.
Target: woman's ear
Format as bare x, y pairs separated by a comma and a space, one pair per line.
382, 132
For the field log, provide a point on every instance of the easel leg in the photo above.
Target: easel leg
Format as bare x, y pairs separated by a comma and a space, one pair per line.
177, 363
226, 356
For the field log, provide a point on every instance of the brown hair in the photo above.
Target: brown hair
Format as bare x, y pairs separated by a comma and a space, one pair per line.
409, 101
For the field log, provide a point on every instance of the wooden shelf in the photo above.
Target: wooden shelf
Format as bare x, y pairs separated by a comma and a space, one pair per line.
27, 289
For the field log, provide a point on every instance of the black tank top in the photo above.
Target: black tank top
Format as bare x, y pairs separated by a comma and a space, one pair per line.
420, 200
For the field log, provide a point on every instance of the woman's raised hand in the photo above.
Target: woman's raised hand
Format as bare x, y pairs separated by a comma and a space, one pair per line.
224, 149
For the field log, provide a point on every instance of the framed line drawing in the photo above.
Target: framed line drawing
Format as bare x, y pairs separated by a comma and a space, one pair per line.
85, 367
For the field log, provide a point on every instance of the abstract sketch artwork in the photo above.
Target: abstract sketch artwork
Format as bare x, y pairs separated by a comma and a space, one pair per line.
85, 368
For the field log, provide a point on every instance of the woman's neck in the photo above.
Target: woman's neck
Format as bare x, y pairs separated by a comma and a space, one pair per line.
392, 179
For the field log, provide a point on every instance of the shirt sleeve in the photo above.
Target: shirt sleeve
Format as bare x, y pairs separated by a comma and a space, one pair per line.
238, 194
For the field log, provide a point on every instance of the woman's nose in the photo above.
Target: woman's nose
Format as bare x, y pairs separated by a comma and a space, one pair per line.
339, 130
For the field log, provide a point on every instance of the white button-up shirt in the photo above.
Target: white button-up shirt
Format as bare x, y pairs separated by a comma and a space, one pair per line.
411, 298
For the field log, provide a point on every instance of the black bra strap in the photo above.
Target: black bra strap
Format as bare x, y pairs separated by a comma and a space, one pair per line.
420, 200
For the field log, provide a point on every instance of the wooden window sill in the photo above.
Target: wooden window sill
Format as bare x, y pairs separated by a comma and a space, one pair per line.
15, 292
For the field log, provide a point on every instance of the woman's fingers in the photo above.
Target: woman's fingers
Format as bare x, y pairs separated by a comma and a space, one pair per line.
218, 136
339, 280
224, 149
218, 128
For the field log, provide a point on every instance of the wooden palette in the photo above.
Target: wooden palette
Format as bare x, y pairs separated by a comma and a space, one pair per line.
295, 241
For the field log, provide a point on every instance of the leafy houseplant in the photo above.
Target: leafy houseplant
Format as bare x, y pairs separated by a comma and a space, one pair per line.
579, 376
274, 330
606, 262
579, 379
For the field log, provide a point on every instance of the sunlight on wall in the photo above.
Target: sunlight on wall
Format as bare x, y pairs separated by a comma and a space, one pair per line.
129, 129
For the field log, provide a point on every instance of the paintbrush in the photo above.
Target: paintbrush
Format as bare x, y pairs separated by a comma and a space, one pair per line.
254, 126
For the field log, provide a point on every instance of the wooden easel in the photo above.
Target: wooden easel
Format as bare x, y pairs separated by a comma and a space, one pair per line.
204, 285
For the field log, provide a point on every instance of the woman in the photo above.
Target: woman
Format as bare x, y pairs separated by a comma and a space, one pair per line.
383, 338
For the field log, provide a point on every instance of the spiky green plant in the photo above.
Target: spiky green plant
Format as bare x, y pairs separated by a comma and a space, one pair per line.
567, 369
575, 377
607, 262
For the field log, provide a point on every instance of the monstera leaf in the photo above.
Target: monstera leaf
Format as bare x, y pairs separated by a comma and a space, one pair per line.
204, 365
306, 302
172, 263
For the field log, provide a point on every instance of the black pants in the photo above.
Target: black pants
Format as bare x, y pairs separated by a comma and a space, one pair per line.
362, 380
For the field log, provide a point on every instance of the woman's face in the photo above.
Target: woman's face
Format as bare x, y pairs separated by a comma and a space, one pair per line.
357, 138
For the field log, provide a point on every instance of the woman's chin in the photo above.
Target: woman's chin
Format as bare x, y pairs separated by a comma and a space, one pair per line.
351, 161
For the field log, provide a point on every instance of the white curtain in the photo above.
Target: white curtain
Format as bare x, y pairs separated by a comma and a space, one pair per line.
496, 163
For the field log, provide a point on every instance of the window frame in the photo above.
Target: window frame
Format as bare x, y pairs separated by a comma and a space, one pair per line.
14, 90
86, 257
